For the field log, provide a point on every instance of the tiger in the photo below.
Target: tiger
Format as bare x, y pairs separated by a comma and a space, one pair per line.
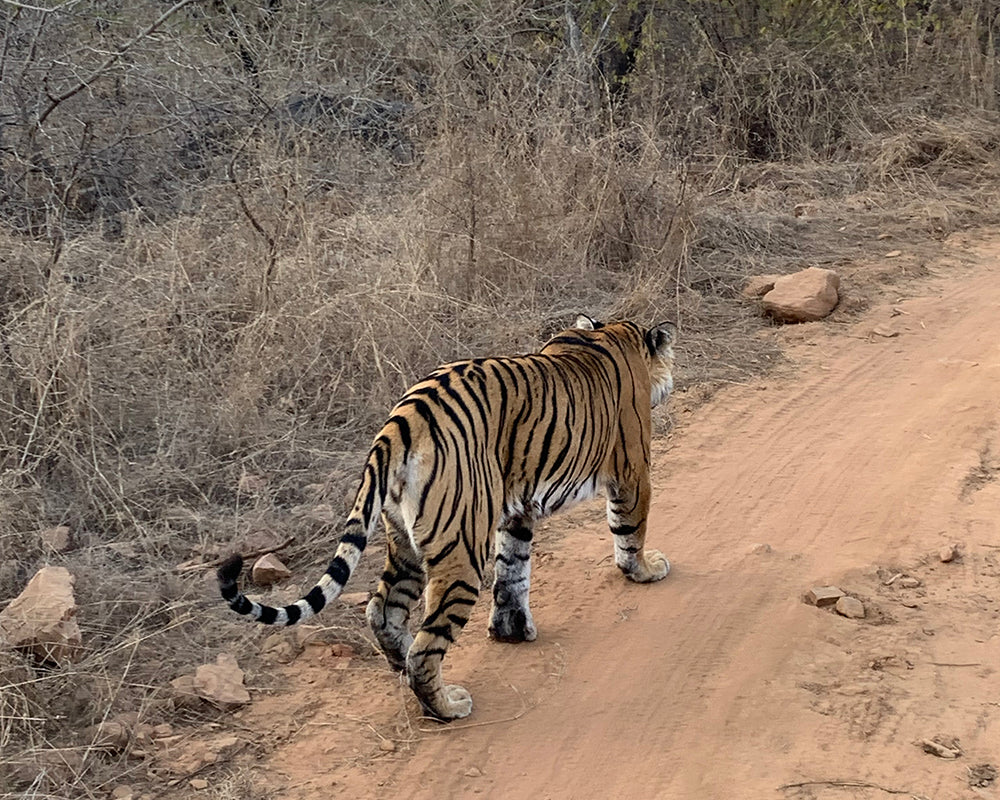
468, 461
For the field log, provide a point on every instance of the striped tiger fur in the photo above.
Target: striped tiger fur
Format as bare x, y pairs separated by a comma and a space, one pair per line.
469, 459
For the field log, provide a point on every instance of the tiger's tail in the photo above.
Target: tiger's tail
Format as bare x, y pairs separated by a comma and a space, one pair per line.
360, 523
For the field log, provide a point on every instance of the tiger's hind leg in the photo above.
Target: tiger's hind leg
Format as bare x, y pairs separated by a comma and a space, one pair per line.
451, 593
628, 507
401, 585
511, 618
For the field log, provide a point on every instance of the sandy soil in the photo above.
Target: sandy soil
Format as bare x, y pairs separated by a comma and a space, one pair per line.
855, 466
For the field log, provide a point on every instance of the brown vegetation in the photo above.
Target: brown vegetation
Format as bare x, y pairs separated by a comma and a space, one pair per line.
231, 233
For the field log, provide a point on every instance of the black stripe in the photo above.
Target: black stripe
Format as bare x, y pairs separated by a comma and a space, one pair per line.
433, 561
294, 614
268, 615
430, 651
404, 431
339, 571
366, 511
624, 530
522, 534
316, 599
359, 540
444, 631
241, 605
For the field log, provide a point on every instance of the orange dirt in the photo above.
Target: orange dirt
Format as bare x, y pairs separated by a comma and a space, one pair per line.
855, 466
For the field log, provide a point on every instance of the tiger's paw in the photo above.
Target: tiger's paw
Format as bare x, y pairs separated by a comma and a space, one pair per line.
455, 703
653, 567
512, 624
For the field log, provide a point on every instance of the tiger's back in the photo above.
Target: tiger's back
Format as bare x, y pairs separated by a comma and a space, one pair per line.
468, 460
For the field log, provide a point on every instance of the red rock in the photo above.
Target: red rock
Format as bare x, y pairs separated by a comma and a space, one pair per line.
268, 569
823, 596
804, 296
221, 683
850, 607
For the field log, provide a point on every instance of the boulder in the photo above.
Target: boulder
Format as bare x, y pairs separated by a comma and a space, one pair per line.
42, 619
804, 296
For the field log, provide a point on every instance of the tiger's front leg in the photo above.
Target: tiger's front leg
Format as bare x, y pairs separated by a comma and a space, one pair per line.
628, 508
511, 618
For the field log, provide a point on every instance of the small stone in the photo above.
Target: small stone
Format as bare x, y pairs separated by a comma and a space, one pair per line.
56, 540
122, 793
850, 607
280, 647
942, 747
221, 683
387, 746
909, 582
268, 569
758, 285
823, 596
355, 598
341, 650
163, 730
109, 735
760, 548
198, 783
982, 775
948, 553
885, 331
894, 254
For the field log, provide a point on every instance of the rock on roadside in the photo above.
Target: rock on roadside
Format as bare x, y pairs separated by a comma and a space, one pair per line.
822, 596
221, 683
804, 296
42, 619
850, 607
757, 286
268, 569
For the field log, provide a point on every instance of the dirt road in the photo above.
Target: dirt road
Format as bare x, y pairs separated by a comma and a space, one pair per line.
854, 466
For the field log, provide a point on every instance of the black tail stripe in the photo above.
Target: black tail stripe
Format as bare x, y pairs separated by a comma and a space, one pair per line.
338, 571
293, 612
359, 540
316, 599
268, 615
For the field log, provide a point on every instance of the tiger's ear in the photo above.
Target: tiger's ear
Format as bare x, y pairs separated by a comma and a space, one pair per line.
583, 322
661, 336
